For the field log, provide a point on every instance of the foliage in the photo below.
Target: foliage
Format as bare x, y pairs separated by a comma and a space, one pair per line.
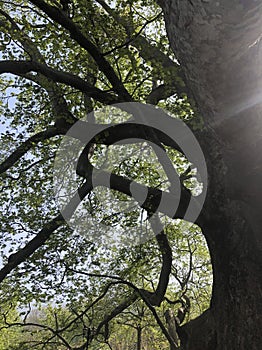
56, 68
9, 336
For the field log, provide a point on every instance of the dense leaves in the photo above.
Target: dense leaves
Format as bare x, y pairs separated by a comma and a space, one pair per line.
59, 63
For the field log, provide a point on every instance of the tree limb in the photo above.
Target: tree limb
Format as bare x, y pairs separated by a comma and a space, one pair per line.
126, 303
154, 195
166, 253
59, 17
21, 255
173, 76
26, 146
23, 67
58, 101
37, 325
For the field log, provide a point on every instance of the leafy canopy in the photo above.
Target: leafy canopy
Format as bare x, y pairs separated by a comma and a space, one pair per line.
59, 62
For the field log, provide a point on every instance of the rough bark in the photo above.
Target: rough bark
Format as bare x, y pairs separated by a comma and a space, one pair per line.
218, 44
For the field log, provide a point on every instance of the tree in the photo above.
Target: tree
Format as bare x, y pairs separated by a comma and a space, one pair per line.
70, 58
218, 47
9, 336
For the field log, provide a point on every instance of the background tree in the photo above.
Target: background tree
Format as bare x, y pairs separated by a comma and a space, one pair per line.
9, 336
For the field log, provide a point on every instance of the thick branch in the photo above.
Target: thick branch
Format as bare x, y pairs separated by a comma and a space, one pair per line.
59, 17
166, 253
16, 259
156, 199
23, 67
104, 134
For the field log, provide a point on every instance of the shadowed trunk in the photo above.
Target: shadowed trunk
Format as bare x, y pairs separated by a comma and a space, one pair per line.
218, 45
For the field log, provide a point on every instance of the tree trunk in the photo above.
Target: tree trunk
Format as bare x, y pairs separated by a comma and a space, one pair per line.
219, 48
